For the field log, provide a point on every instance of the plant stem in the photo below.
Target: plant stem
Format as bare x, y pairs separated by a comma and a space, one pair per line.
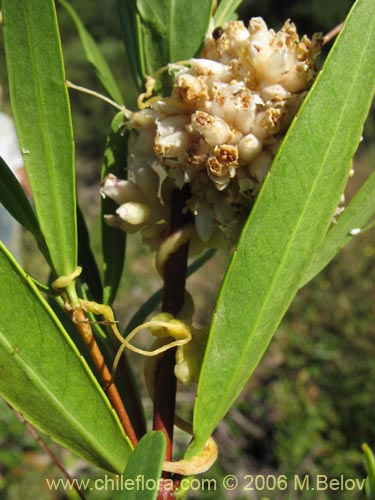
176, 266
173, 299
85, 90
84, 328
331, 34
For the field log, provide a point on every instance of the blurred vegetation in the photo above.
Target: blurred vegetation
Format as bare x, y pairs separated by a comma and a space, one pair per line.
311, 17
310, 404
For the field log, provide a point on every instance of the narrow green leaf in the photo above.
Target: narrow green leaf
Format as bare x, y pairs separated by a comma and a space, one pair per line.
162, 31
130, 27
355, 217
95, 56
172, 30
113, 240
42, 115
44, 377
289, 220
13, 198
143, 471
225, 11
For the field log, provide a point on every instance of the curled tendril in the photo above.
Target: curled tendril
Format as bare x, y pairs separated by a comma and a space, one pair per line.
146, 99
167, 327
197, 464
174, 331
65, 281
171, 244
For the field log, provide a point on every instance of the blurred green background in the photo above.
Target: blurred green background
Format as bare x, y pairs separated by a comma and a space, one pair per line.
310, 404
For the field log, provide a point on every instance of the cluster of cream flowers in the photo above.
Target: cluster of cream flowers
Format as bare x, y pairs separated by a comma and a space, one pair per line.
218, 131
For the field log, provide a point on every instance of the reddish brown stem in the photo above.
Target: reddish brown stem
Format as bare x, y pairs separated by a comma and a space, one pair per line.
84, 328
164, 401
173, 299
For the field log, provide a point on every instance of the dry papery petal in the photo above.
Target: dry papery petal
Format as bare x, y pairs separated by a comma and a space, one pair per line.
213, 129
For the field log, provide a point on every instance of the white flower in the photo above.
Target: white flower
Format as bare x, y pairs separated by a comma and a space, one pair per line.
234, 104
213, 129
172, 140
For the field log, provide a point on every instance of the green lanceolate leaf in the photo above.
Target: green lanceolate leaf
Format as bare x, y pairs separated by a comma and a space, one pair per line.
131, 32
95, 56
13, 198
225, 11
42, 115
289, 220
43, 376
350, 222
113, 240
173, 30
166, 30
15, 201
143, 471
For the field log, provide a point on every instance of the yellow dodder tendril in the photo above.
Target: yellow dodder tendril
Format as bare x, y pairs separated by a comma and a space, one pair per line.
195, 465
169, 327
146, 99
171, 244
65, 281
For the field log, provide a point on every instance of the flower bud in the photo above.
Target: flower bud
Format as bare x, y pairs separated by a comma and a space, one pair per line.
116, 222
134, 213
248, 147
120, 190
